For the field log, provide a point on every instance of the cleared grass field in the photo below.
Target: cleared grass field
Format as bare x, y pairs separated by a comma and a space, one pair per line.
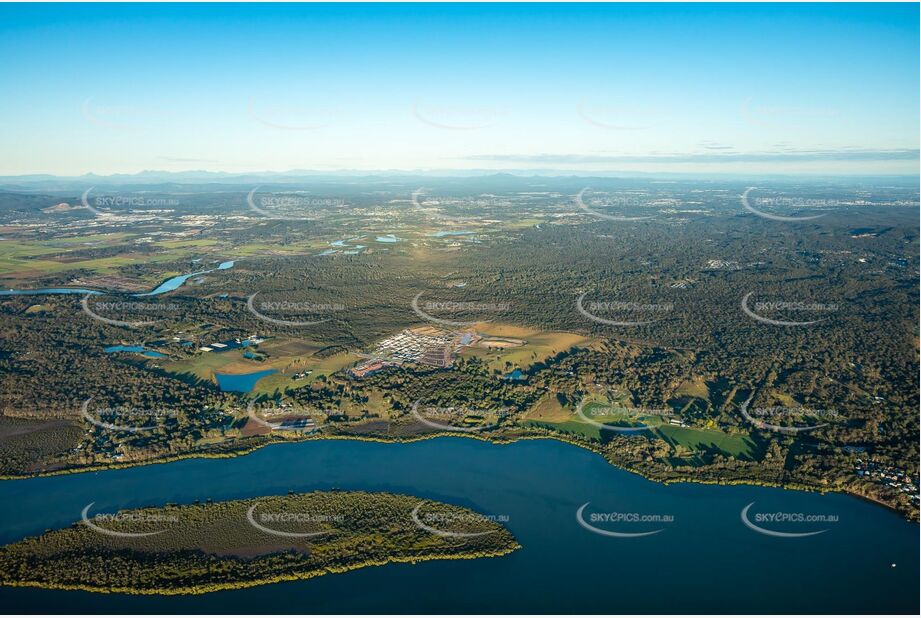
549, 410
23, 259
576, 428
691, 439
550, 413
703, 439
288, 366
539, 345
693, 388
205, 364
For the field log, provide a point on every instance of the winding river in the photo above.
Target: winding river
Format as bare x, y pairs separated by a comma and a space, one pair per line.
706, 559
173, 283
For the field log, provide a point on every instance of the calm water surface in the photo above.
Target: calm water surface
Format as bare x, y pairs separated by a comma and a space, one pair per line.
175, 282
240, 382
167, 286
705, 560
137, 349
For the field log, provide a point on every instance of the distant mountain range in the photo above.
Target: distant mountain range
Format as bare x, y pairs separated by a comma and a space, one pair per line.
50, 182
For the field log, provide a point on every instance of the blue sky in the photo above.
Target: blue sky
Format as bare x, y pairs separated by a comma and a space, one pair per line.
807, 88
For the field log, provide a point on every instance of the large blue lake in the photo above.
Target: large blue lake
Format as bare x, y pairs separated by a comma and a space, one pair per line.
706, 560
241, 382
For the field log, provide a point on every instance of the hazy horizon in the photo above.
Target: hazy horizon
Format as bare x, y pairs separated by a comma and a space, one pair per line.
465, 173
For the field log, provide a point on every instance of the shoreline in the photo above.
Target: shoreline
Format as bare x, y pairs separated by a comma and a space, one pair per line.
265, 581
246, 450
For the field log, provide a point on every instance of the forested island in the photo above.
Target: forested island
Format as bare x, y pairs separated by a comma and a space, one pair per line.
206, 547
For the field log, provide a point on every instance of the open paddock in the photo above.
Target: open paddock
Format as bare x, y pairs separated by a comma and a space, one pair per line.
536, 346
